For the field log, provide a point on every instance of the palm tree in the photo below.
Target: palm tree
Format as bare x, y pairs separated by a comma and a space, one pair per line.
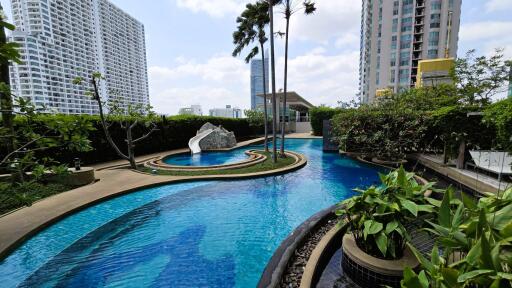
290, 8
271, 4
251, 25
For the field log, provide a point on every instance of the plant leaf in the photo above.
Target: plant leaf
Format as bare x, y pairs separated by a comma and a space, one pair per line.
473, 274
382, 243
410, 206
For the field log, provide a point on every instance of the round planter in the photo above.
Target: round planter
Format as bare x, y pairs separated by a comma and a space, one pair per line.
369, 271
388, 162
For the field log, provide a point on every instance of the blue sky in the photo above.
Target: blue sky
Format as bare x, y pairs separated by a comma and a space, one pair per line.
189, 49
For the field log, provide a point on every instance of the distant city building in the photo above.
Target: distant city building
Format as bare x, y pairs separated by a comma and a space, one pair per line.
257, 81
227, 112
192, 110
397, 34
65, 39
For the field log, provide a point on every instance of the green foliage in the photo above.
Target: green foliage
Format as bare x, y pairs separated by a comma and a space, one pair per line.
478, 78
318, 115
377, 216
386, 134
479, 233
256, 118
173, 133
499, 116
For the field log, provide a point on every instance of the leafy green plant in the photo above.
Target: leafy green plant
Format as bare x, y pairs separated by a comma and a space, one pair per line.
318, 115
378, 215
476, 242
499, 116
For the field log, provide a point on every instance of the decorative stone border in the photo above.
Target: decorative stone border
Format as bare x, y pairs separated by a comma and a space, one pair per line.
320, 257
255, 157
277, 265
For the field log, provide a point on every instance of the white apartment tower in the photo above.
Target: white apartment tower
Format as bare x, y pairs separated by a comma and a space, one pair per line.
64, 39
397, 34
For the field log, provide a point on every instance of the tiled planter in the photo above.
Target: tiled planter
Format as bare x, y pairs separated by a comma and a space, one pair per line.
368, 271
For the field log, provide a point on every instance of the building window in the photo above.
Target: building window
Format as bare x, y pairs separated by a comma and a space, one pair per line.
405, 58
436, 5
392, 76
394, 42
405, 41
433, 38
403, 76
395, 8
377, 78
395, 25
435, 20
392, 62
432, 53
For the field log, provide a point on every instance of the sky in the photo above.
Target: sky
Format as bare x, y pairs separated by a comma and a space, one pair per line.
189, 47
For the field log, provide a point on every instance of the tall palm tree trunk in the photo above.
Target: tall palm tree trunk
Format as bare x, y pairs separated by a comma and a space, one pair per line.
273, 72
265, 112
283, 127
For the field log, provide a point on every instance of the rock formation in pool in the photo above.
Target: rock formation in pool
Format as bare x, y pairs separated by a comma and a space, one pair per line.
211, 137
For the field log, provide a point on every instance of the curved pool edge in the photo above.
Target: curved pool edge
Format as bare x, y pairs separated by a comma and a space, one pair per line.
277, 265
21, 225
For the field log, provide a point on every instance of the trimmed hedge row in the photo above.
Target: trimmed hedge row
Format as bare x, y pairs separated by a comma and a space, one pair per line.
318, 115
393, 133
174, 132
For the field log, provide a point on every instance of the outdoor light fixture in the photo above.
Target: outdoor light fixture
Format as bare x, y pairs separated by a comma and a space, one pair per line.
77, 164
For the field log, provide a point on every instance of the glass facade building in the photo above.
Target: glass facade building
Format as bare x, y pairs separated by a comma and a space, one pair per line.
257, 82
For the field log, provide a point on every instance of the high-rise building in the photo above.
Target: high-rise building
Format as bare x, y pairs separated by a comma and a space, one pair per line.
257, 81
228, 112
192, 110
64, 39
397, 34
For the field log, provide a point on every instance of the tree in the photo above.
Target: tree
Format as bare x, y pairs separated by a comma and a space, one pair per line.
273, 73
128, 117
290, 8
251, 26
480, 78
8, 52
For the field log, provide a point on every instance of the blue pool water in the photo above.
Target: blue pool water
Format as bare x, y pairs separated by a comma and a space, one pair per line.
210, 158
201, 234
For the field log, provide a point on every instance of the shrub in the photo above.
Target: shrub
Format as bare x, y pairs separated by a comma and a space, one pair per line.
499, 117
174, 132
387, 134
318, 115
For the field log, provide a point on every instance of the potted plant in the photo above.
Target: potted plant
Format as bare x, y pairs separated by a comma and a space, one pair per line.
375, 226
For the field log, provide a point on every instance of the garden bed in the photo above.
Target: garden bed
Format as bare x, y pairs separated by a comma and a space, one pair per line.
17, 196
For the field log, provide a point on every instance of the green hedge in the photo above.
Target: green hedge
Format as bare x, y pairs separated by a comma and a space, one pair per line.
174, 132
318, 115
379, 133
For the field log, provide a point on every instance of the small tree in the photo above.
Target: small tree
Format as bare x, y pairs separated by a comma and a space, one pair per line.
129, 117
480, 78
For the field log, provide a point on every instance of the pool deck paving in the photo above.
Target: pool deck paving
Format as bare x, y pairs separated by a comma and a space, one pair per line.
21, 224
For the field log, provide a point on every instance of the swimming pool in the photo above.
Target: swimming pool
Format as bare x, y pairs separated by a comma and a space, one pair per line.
200, 234
210, 158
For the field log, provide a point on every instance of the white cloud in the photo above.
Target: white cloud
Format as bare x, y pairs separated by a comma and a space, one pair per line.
487, 36
497, 5
220, 81
323, 79
214, 8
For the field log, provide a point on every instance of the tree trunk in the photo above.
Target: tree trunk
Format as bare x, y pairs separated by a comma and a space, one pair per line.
265, 112
129, 142
283, 127
273, 72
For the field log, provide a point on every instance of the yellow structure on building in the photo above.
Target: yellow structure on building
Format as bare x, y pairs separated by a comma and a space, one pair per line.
383, 92
432, 72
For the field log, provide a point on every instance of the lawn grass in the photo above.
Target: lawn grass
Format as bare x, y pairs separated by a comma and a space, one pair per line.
266, 165
14, 196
